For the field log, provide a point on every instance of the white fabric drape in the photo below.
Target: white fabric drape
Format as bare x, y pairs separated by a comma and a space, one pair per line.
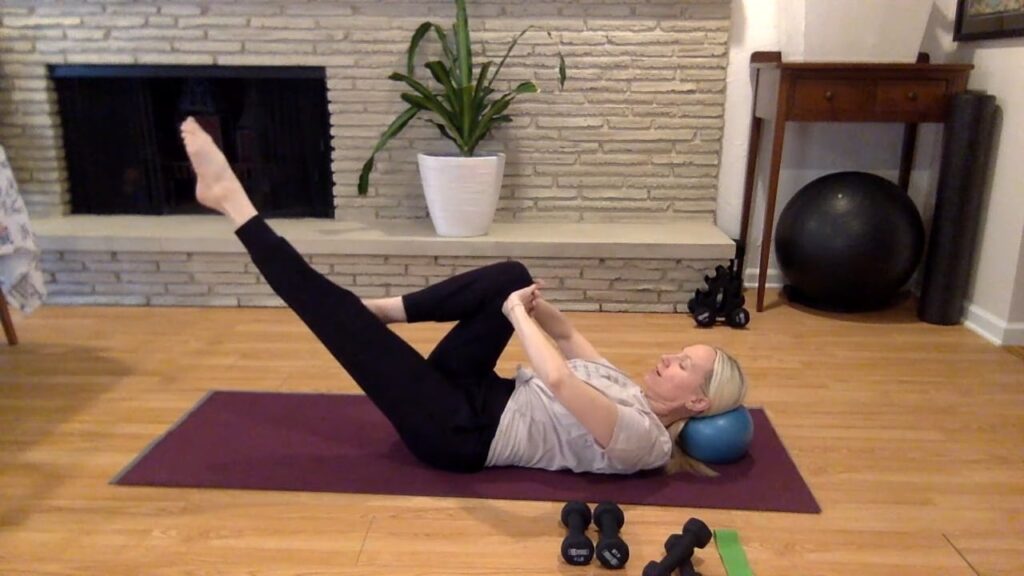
21, 278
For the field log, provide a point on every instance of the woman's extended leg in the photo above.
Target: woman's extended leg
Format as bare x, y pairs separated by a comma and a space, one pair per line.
432, 416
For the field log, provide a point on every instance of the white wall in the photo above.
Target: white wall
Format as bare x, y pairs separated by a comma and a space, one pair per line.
997, 288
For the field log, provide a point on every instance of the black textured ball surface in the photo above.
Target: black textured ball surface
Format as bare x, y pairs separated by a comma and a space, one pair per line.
849, 241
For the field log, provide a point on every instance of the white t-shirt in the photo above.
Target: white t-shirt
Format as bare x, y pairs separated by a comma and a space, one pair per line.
537, 431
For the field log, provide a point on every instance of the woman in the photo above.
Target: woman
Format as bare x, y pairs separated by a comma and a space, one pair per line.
572, 410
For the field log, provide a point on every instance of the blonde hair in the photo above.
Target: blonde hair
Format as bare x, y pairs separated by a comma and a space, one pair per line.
725, 388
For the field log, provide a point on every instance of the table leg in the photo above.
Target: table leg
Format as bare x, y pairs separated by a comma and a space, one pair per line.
781, 112
748, 187
5, 319
907, 155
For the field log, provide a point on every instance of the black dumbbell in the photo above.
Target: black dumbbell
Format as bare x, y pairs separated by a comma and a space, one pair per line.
577, 549
612, 550
688, 569
679, 548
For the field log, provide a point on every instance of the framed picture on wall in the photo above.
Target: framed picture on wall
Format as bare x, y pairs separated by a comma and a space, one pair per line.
984, 19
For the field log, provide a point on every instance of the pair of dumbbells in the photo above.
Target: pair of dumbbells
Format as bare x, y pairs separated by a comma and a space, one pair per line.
578, 549
679, 550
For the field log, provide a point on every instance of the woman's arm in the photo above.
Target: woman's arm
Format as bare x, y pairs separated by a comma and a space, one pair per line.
569, 340
594, 410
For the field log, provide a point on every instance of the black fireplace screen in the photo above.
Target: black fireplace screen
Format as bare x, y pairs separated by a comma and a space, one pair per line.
124, 153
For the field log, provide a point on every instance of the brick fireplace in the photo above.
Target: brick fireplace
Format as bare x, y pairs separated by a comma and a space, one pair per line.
635, 137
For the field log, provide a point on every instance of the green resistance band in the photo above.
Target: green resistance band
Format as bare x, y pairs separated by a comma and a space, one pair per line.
731, 552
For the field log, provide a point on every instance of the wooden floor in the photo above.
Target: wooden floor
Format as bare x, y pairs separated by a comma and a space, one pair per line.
910, 435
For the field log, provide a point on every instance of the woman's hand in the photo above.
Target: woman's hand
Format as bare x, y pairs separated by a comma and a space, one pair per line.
525, 297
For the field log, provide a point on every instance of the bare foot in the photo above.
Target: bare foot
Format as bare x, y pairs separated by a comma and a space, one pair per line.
217, 187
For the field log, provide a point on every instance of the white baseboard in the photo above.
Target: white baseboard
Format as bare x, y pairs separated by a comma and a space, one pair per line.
992, 328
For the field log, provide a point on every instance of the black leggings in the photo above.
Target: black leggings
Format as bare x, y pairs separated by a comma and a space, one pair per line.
445, 407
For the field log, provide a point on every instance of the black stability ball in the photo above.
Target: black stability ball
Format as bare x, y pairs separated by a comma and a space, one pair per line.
849, 241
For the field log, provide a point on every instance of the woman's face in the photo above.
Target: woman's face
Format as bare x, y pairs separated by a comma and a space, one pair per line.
675, 381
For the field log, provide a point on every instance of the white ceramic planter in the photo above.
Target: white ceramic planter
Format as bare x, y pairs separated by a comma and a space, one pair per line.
462, 193
852, 30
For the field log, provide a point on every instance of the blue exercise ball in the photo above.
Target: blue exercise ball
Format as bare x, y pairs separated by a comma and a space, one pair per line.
848, 241
718, 439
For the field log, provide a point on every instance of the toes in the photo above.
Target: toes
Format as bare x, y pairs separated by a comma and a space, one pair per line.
191, 127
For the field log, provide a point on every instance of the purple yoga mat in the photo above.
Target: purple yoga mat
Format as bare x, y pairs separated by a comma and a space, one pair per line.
342, 443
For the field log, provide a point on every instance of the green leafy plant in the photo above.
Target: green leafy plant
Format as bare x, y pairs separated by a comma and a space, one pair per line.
465, 107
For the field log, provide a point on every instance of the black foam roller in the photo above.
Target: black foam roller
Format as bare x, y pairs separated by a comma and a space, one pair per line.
966, 148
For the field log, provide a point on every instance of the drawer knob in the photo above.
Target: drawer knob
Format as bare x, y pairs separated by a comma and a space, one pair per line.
911, 95
829, 95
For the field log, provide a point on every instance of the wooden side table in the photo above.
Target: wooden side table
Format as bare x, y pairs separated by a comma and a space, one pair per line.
839, 92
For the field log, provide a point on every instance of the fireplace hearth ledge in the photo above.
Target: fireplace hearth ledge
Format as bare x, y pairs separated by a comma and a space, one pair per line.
683, 238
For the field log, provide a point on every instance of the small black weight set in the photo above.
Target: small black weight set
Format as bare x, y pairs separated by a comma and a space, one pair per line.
611, 550
722, 298
679, 550
577, 548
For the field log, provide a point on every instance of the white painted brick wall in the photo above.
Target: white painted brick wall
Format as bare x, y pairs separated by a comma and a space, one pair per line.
636, 134
141, 279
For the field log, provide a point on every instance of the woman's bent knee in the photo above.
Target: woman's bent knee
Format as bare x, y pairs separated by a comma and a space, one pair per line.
517, 273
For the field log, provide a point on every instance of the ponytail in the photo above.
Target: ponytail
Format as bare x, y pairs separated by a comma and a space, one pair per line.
681, 461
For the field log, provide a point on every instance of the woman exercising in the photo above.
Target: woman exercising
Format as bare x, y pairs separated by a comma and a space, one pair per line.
572, 410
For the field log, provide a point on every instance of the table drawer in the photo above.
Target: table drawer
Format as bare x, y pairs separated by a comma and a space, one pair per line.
926, 98
817, 99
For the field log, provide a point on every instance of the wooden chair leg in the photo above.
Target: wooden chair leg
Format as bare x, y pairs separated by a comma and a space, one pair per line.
5, 319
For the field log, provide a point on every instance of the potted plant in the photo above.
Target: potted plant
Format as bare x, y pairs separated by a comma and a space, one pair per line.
461, 191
